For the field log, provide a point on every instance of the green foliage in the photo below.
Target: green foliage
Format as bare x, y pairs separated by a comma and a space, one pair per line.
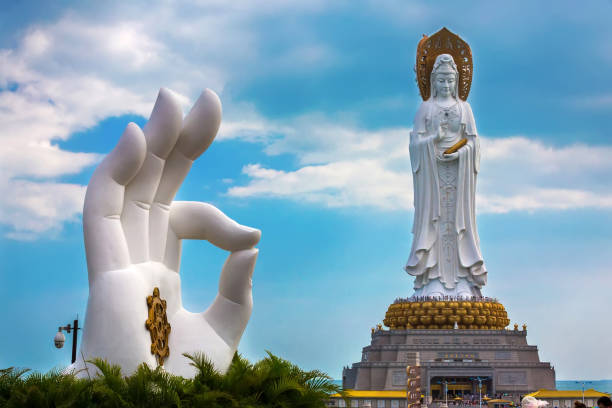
271, 382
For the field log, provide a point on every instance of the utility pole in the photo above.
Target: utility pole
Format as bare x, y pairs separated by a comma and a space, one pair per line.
75, 329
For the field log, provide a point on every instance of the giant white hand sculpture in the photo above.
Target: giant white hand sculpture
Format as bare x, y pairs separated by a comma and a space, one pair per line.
133, 231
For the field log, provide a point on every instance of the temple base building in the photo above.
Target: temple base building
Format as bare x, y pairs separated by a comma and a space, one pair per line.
502, 359
462, 361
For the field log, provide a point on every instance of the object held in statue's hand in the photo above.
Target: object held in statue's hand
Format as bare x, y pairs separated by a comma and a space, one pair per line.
456, 146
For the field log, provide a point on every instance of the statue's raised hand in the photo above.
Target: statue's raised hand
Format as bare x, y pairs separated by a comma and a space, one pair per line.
133, 231
449, 157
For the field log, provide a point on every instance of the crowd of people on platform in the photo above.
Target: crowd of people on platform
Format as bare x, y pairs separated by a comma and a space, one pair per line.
531, 402
471, 400
448, 298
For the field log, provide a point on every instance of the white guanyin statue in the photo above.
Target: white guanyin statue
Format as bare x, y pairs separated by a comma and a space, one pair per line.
445, 257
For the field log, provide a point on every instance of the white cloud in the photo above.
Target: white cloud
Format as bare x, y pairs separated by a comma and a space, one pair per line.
249, 126
33, 208
35, 114
338, 184
347, 166
66, 76
542, 198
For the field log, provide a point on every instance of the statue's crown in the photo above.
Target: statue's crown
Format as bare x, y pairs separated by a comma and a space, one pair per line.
444, 63
442, 43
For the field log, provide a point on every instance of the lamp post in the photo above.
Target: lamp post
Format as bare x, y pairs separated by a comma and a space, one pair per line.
583, 383
446, 393
59, 338
479, 379
445, 382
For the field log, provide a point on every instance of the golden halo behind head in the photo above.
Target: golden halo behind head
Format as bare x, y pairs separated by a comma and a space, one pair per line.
443, 42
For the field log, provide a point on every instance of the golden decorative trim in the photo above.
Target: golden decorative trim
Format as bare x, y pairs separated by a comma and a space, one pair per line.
443, 314
443, 42
158, 326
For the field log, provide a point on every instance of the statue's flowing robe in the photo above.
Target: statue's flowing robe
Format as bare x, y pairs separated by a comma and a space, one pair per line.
426, 252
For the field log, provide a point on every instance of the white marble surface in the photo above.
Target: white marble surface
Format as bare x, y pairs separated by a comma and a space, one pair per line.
445, 257
133, 231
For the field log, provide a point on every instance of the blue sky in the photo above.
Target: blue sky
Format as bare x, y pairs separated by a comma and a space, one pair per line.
318, 102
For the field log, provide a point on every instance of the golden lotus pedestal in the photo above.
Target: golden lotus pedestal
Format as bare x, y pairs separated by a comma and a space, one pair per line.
481, 314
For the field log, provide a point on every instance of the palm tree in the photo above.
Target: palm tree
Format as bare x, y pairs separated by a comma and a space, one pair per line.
271, 382
52, 389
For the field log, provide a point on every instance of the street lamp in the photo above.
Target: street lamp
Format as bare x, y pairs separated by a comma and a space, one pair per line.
583, 383
479, 379
60, 339
446, 382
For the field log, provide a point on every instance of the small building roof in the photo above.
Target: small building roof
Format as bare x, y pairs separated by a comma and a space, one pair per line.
373, 394
590, 393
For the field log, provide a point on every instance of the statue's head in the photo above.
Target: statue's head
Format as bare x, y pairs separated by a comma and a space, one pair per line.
444, 77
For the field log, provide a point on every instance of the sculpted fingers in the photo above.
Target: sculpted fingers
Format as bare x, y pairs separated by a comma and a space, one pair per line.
236, 282
161, 133
231, 309
162, 129
200, 127
124, 161
105, 243
194, 220
199, 130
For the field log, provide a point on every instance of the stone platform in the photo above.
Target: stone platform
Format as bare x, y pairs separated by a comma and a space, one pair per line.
455, 358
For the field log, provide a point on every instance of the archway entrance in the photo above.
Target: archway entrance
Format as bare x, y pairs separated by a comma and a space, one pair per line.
465, 388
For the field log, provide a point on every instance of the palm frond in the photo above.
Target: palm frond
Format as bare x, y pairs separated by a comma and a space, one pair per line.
270, 382
207, 374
